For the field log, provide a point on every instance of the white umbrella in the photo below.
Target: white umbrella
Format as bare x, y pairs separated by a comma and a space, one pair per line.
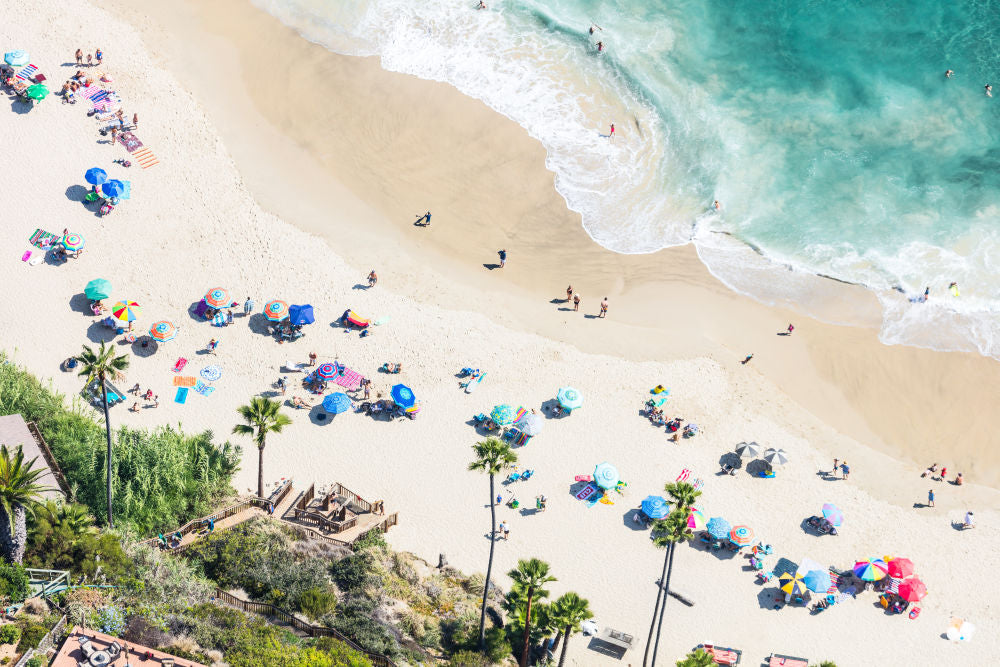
776, 457
530, 424
748, 450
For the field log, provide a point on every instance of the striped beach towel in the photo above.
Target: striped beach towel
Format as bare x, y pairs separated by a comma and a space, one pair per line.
99, 96
27, 73
185, 381
348, 378
87, 92
145, 158
41, 238
683, 477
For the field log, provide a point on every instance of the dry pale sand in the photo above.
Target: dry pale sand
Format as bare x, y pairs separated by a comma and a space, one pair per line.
192, 223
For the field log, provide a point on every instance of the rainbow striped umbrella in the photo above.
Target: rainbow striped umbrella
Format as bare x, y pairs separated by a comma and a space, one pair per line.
870, 569
327, 371
217, 297
696, 520
126, 311
276, 310
741, 536
793, 584
163, 331
73, 242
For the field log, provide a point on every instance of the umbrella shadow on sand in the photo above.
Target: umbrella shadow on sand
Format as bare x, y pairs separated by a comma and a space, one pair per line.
98, 333
549, 409
756, 467
319, 416
629, 520
145, 346
76, 193
770, 598
79, 303
259, 324
730, 458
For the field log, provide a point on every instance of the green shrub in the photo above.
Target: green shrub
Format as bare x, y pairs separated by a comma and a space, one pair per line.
469, 659
354, 573
316, 602
63, 538
354, 620
35, 661
373, 539
30, 636
14, 580
9, 633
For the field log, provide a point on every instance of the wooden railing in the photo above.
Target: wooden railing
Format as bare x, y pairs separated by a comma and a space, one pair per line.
351, 496
307, 497
232, 510
279, 498
315, 533
326, 523
50, 460
269, 610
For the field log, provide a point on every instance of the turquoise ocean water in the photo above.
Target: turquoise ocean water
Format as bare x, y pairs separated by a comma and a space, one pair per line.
827, 130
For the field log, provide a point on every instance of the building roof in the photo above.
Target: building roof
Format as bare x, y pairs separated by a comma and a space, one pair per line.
13, 432
70, 654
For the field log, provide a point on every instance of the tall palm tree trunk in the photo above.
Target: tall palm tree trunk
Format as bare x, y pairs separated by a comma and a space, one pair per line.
489, 569
656, 607
562, 656
12, 546
555, 644
663, 605
527, 629
260, 471
107, 432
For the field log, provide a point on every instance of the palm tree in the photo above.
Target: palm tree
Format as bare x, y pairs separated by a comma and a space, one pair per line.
263, 416
570, 610
667, 533
697, 658
683, 496
74, 517
99, 366
492, 456
529, 576
19, 493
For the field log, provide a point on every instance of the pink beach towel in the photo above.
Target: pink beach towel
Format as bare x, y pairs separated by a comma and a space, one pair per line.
87, 92
349, 379
684, 475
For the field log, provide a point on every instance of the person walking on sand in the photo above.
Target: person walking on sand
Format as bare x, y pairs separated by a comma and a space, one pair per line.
424, 220
79, 56
944, 474
372, 278
213, 345
114, 135
835, 462
845, 471
99, 55
611, 134
576, 302
503, 257
247, 307
135, 120
569, 294
312, 358
930, 498
790, 329
604, 308
747, 360
90, 59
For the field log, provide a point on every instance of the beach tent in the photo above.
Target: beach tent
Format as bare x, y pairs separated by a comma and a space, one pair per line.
569, 398
301, 314
336, 403
530, 424
718, 527
655, 507
403, 396
163, 331
276, 310
833, 514
97, 289
606, 475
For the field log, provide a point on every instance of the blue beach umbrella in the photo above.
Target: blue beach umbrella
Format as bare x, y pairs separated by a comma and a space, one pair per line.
336, 403
833, 514
96, 176
112, 188
569, 398
301, 314
817, 581
655, 507
503, 414
403, 396
718, 528
606, 475
16, 58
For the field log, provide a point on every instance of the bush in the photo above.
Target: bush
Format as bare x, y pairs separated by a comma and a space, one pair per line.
354, 619
35, 661
316, 602
372, 539
9, 633
57, 542
354, 573
469, 659
30, 636
111, 620
14, 585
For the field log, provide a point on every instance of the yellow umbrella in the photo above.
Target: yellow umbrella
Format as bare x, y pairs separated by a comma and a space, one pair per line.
792, 583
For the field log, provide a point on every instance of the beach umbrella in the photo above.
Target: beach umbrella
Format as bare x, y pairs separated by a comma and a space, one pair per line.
899, 568
163, 331
211, 373
276, 310
912, 590
503, 414
327, 371
655, 507
97, 289
96, 176
606, 475
818, 581
16, 58
403, 396
833, 514
776, 457
741, 536
870, 570
569, 398
793, 584
301, 314
530, 424
112, 188
748, 450
336, 403
217, 297
696, 519
39, 91
718, 527
126, 311
73, 242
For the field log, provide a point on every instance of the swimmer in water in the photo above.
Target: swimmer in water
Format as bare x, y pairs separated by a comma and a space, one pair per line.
611, 136
948, 73
717, 205
482, 5
600, 46
989, 90
953, 288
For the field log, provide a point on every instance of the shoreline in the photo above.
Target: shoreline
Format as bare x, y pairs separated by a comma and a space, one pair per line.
334, 91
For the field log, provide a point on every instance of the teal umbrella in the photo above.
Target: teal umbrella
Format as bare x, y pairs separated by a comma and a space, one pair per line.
606, 475
503, 414
569, 398
16, 58
818, 581
718, 528
97, 290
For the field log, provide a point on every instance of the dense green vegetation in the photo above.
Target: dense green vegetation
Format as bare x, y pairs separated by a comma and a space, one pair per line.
161, 478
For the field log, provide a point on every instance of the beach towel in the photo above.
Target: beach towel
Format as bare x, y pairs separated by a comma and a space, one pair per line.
182, 395
108, 105
356, 320
179, 366
26, 256
185, 381
683, 477
520, 413
589, 494
41, 238
130, 142
99, 96
87, 92
348, 378
203, 388
126, 190
144, 157
27, 73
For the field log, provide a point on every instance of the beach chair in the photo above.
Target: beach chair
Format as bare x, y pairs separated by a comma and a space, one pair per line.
526, 475
765, 577
513, 477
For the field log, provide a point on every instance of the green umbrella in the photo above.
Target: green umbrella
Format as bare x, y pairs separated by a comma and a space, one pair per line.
98, 289
38, 91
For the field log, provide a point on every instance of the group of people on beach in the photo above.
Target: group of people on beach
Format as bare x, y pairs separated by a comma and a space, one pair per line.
574, 296
152, 400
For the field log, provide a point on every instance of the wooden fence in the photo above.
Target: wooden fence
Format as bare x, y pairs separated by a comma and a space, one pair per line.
342, 490
49, 458
269, 610
197, 524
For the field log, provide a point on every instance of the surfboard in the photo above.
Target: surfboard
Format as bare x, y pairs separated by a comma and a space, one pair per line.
471, 387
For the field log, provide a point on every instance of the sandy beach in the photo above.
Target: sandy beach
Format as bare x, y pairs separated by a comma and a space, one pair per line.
286, 171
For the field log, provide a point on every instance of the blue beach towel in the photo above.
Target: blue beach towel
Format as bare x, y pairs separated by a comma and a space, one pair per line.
182, 394
126, 190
